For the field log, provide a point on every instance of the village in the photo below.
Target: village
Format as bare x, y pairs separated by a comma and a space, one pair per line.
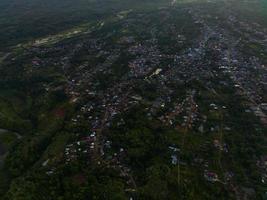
182, 68
190, 89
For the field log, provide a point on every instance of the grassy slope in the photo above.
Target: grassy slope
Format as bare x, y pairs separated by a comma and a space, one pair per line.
24, 20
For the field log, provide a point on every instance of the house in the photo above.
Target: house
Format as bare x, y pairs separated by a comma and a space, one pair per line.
174, 159
210, 176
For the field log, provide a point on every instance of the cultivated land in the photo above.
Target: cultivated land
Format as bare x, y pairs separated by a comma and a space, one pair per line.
133, 100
